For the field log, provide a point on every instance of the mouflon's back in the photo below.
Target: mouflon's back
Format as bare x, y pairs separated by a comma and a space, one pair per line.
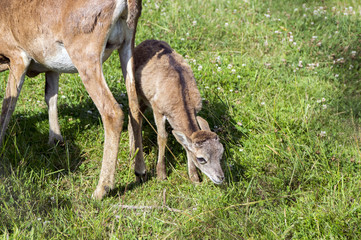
165, 79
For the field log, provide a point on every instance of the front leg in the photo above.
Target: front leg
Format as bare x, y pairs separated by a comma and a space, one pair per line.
87, 59
192, 169
162, 141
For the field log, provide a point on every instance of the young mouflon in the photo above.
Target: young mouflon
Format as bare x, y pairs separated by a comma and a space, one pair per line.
165, 82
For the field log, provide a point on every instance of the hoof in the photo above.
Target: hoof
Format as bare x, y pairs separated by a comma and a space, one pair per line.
161, 173
100, 192
56, 140
195, 179
161, 177
141, 178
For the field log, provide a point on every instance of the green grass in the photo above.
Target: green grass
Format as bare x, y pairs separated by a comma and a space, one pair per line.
291, 132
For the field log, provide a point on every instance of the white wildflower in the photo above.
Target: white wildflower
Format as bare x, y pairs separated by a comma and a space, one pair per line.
266, 43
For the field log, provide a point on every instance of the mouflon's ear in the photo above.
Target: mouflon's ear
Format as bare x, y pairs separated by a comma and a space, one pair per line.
183, 139
203, 124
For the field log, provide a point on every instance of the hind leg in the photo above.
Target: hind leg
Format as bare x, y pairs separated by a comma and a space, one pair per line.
51, 99
18, 68
135, 118
136, 144
162, 141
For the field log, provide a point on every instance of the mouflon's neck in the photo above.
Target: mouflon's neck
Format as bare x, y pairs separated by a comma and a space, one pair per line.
185, 123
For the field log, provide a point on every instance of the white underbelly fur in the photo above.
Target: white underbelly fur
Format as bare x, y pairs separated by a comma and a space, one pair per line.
60, 61
57, 58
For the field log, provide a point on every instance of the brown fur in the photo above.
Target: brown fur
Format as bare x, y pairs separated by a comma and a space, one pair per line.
177, 93
55, 36
201, 136
165, 82
83, 19
134, 11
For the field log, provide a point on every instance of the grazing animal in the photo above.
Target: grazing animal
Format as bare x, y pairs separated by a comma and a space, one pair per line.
165, 82
68, 36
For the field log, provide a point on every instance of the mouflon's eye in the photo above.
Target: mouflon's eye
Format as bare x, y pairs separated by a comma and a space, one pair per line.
201, 160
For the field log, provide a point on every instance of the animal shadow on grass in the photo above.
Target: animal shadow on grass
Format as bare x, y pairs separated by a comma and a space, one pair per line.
26, 143
216, 111
26, 140
26, 156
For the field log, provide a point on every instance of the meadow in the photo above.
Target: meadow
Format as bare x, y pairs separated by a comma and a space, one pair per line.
280, 82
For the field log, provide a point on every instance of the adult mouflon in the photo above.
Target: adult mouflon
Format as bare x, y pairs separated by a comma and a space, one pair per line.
68, 36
